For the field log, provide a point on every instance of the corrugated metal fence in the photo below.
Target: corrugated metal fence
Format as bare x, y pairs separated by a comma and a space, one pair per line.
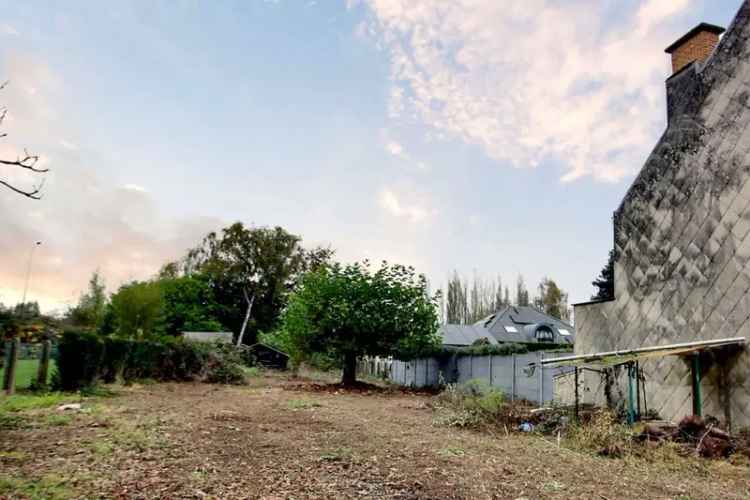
519, 376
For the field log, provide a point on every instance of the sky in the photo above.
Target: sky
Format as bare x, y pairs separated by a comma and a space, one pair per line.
491, 138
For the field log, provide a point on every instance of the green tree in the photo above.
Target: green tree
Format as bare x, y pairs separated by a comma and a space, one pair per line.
349, 311
522, 294
552, 300
605, 282
189, 305
251, 272
138, 310
92, 305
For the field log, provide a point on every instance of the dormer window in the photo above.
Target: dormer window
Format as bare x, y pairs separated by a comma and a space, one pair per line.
544, 334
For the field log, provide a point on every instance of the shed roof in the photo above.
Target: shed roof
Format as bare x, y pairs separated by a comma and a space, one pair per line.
613, 358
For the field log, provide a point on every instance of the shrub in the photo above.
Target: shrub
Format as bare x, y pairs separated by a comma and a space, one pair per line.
84, 359
471, 404
79, 360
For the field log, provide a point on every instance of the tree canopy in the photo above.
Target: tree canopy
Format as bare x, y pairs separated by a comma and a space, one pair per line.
350, 311
261, 264
605, 282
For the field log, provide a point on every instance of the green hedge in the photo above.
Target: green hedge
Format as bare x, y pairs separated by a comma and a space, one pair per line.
84, 359
505, 349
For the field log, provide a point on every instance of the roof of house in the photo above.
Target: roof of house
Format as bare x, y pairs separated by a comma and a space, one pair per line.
512, 324
223, 337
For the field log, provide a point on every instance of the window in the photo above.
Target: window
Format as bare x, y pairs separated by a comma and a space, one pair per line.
544, 334
511, 329
564, 332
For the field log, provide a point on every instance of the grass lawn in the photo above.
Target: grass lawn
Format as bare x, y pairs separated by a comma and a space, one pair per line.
26, 372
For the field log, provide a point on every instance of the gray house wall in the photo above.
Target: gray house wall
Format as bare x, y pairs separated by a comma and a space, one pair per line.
681, 242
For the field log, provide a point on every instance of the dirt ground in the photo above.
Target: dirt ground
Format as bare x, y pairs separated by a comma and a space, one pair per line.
278, 438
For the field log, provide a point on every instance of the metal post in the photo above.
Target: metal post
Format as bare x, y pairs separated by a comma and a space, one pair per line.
638, 389
631, 394
540, 356
490, 358
576, 392
697, 399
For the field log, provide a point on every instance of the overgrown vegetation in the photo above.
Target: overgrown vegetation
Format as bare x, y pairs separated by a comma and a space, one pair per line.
84, 359
471, 404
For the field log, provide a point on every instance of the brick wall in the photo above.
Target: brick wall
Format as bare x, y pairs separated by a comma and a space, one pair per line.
697, 48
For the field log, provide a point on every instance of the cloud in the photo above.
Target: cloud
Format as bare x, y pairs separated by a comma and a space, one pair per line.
135, 187
68, 145
85, 221
415, 211
7, 29
531, 80
395, 148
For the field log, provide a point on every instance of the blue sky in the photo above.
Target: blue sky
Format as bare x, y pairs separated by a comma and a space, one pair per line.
478, 137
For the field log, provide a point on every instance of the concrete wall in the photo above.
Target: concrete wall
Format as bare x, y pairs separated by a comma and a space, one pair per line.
510, 374
681, 242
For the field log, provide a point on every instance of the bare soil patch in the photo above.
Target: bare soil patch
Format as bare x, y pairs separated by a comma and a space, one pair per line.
282, 438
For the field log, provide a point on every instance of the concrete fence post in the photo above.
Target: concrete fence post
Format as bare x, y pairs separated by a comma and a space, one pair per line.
42, 372
513, 380
9, 382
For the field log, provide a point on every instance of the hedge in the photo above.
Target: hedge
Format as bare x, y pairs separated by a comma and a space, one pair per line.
504, 349
84, 359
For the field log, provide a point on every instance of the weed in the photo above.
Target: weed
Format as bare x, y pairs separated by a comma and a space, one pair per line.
337, 455
102, 448
10, 421
452, 451
251, 371
50, 487
20, 402
471, 404
58, 420
302, 404
13, 456
553, 486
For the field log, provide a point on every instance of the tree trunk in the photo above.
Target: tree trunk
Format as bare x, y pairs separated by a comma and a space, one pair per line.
247, 317
349, 376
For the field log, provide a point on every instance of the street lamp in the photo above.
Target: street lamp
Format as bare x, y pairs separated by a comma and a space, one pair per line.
28, 272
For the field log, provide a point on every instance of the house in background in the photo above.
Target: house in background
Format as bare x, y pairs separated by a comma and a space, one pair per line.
678, 324
512, 324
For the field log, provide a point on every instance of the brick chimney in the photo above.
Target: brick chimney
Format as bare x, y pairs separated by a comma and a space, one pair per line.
696, 45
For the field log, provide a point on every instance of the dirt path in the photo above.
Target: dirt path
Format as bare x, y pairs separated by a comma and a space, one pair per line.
275, 440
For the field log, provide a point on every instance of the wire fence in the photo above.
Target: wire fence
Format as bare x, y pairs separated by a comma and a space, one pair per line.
24, 363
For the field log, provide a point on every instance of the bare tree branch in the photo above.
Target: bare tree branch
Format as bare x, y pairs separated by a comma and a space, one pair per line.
34, 194
28, 162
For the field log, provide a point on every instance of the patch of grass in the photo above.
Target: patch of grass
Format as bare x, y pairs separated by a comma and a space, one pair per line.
21, 402
452, 451
58, 419
337, 454
26, 371
302, 404
13, 456
50, 487
251, 371
9, 421
553, 486
102, 448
